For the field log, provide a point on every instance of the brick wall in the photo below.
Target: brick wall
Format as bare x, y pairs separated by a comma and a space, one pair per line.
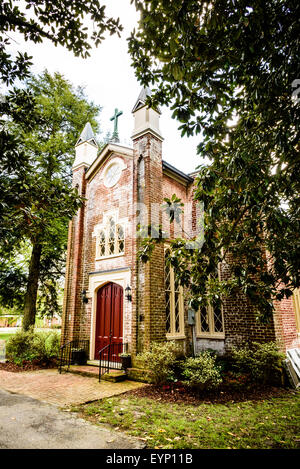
285, 324
73, 280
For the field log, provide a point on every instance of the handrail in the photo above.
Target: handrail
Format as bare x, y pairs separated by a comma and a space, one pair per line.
109, 357
67, 352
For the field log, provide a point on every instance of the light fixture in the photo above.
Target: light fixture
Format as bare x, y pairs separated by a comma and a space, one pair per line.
128, 293
84, 297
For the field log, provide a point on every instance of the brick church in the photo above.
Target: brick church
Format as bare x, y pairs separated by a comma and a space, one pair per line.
110, 295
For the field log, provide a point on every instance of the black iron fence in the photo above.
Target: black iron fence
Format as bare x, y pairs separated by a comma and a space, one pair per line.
110, 357
75, 352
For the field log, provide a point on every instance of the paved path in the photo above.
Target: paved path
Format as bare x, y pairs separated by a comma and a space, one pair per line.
61, 389
27, 423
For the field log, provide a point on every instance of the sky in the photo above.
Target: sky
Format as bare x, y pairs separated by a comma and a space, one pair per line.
110, 81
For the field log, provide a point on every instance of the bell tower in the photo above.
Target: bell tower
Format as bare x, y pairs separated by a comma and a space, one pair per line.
86, 150
149, 311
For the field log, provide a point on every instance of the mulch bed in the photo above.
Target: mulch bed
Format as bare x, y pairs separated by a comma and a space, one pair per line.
177, 393
27, 366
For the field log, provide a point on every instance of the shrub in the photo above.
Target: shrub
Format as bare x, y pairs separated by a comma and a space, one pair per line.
52, 344
32, 346
263, 362
18, 347
201, 372
161, 360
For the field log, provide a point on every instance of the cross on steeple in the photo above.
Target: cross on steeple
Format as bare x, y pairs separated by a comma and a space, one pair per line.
115, 135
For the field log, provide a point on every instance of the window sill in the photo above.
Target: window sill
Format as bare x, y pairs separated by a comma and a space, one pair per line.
175, 337
109, 257
210, 336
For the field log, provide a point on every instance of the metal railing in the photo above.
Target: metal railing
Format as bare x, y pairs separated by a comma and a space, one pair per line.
72, 353
109, 357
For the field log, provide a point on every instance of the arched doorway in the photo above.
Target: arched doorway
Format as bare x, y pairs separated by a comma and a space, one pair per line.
109, 316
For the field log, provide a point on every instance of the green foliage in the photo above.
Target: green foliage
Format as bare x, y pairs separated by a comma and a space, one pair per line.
63, 24
33, 346
35, 189
161, 360
263, 361
202, 372
52, 344
234, 62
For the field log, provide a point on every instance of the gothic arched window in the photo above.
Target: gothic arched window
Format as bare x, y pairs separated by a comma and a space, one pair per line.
120, 238
102, 243
111, 239
111, 236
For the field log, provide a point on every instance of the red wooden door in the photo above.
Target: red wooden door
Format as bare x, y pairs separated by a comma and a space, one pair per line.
109, 320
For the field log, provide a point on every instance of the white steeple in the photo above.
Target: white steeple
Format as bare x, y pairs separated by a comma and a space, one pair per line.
145, 119
86, 147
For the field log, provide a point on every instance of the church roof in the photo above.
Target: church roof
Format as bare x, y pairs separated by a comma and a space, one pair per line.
171, 168
142, 98
87, 135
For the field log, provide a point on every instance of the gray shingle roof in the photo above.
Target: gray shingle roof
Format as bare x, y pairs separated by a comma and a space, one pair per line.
87, 135
142, 98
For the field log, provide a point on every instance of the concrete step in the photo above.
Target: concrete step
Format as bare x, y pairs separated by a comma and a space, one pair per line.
93, 363
114, 376
84, 370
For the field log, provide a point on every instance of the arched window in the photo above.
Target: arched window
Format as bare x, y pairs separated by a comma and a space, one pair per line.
102, 243
111, 239
174, 303
121, 238
111, 236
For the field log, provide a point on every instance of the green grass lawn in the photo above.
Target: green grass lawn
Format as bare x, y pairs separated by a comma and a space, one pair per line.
6, 336
264, 424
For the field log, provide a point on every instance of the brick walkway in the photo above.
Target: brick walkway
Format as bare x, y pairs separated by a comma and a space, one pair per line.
62, 389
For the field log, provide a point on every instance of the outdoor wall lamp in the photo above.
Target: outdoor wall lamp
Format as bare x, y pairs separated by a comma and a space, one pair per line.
84, 297
128, 293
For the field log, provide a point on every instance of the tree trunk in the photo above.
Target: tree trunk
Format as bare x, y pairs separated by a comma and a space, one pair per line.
32, 287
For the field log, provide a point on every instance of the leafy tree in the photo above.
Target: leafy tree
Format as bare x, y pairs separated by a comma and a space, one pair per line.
36, 196
24, 180
228, 69
63, 23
